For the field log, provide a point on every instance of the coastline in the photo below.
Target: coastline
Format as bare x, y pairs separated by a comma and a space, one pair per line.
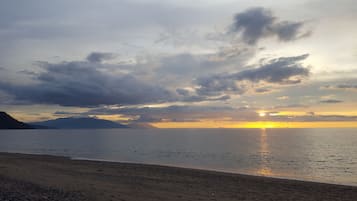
100, 180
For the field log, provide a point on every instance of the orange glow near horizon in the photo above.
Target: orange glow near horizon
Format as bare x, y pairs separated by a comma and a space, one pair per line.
258, 124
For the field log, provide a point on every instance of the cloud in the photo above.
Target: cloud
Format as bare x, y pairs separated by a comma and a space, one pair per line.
282, 98
217, 84
190, 113
183, 92
180, 70
331, 101
60, 113
262, 90
178, 113
346, 86
157, 80
85, 84
288, 31
186, 66
27, 72
290, 106
284, 70
309, 117
179, 37
314, 117
98, 57
341, 87
185, 95
257, 23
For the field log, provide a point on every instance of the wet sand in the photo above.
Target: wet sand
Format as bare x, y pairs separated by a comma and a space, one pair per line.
35, 177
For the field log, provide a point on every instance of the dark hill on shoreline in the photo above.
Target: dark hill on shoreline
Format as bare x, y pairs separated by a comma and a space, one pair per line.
8, 122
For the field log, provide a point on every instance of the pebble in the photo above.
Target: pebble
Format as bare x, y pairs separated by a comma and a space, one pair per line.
11, 190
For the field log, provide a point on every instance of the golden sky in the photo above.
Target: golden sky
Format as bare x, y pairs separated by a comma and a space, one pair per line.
259, 124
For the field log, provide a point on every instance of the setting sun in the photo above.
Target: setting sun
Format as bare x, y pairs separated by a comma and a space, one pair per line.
262, 114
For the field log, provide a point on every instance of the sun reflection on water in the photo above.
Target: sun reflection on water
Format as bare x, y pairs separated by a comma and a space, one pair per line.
264, 151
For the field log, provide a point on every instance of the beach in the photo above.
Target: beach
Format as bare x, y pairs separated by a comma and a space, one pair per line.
41, 177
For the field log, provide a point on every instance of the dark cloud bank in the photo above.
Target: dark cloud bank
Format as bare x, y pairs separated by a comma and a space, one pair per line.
257, 23
84, 84
284, 70
90, 83
331, 101
341, 87
98, 57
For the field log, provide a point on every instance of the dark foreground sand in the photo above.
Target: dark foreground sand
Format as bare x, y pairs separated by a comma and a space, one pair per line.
31, 177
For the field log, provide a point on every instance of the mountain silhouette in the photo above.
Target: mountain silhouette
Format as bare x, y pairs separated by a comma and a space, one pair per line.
8, 122
78, 123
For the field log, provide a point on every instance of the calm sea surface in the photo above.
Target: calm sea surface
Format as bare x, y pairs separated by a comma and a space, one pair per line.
325, 155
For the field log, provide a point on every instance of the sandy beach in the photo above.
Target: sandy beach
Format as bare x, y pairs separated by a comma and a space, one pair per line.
35, 177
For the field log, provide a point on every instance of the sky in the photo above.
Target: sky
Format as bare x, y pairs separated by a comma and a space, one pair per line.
180, 63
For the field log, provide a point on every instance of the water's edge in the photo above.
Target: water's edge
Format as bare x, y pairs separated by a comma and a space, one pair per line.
187, 168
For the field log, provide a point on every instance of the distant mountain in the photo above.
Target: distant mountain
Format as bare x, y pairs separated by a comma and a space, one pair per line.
8, 122
78, 123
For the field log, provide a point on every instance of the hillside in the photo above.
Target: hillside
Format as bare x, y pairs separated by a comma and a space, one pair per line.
79, 123
8, 122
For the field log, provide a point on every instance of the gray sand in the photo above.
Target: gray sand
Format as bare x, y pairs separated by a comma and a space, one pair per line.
59, 178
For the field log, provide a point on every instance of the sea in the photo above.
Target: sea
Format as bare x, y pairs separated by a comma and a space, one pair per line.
321, 155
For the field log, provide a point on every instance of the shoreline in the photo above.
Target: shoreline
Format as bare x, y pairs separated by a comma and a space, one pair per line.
188, 168
207, 169
103, 180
